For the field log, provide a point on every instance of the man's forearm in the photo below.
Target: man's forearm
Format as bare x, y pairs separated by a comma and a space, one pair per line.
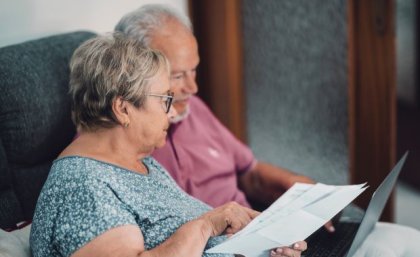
265, 182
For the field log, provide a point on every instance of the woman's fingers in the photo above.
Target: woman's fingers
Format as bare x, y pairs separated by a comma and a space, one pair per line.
329, 226
239, 217
301, 246
294, 251
252, 213
229, 218
285, 251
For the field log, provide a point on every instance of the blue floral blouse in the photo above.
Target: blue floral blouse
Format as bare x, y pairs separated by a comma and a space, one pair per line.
82, 198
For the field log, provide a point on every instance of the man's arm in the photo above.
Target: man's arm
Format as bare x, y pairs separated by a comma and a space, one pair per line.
264, 183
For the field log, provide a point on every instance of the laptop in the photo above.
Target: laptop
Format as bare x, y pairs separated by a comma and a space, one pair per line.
350, 235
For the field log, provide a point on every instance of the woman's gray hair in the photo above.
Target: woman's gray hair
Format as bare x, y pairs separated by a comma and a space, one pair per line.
141, 23
104, 68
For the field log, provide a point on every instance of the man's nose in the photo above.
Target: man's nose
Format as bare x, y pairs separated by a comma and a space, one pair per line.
190, 83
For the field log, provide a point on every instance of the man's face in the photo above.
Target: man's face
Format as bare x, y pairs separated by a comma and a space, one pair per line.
180, 47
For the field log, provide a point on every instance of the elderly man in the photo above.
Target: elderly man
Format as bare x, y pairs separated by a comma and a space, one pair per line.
204, 158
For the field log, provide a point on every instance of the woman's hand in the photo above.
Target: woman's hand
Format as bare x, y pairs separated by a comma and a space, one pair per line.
228, 218
293, 251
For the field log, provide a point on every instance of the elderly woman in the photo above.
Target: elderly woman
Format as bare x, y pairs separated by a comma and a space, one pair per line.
104, 196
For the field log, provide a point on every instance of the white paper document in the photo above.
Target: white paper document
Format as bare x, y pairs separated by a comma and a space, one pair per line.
293, 217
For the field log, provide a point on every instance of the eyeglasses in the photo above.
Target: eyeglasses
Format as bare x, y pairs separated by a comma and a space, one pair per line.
168, 102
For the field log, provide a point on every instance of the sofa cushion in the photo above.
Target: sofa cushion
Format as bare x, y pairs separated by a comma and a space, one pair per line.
15, 243
8, 198
35, 123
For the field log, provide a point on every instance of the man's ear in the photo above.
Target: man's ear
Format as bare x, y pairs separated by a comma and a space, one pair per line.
120, 109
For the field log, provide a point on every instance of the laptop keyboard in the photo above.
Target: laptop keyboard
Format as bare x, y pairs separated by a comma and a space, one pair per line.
323, 243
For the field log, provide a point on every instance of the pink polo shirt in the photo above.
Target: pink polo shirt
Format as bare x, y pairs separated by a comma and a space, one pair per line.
204, 158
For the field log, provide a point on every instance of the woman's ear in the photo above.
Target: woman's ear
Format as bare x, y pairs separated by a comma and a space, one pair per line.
120, 109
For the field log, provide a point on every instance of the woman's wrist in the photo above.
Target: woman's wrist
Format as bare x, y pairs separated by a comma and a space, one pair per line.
205, 226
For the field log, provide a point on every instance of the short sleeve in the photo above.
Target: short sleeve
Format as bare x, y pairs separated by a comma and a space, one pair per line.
242, 154
92, 209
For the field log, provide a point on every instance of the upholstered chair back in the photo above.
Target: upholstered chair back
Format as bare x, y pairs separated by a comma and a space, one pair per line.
35, 122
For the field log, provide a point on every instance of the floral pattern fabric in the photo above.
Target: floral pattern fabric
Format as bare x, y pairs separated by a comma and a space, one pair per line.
83, 198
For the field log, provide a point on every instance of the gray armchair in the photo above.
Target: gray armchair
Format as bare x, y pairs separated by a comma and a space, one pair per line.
35, 123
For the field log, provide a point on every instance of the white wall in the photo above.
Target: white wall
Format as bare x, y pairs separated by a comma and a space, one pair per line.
22, 20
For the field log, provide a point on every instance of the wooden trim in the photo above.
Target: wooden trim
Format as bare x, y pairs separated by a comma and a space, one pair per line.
417, 52
372, 81
372, 94
218, 30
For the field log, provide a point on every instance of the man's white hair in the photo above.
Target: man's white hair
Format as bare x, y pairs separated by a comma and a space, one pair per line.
140, 24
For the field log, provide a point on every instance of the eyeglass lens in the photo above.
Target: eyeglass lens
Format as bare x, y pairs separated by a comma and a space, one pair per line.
168, 101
